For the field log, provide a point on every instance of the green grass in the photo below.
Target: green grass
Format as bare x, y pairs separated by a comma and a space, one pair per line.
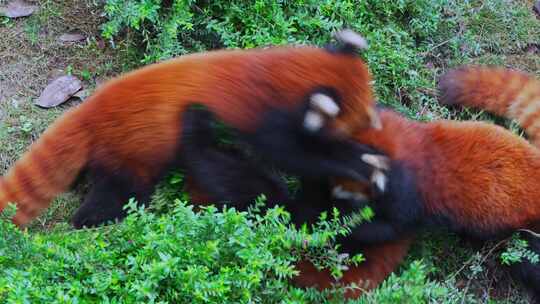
411, 44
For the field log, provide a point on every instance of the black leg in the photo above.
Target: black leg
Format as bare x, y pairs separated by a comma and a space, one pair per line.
527, 272
400, 202
376, 231
106, 200
281, 139
312, 198
398, 208
227, 176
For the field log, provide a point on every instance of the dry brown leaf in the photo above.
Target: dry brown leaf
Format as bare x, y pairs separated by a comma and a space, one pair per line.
71, 37
18, 8
58, 91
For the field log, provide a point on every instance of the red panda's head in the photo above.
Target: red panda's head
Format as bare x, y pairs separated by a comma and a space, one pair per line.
335, 82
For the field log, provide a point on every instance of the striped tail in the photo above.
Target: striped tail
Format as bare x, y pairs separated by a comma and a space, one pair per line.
504, 92
47, 169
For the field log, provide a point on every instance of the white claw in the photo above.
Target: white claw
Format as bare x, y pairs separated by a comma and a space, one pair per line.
351, 37
379, 179
313, 121
340, 193
325, 104
378, 161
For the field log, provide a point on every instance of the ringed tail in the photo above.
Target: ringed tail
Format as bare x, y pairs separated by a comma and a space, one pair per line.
48, 168
504, 92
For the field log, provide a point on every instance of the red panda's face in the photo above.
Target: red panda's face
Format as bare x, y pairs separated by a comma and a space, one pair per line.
361, 192
323, 112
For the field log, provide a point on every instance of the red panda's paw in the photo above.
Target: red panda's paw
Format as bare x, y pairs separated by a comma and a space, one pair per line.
525, 270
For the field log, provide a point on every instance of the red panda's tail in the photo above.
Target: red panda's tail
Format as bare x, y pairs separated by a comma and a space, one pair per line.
381, 260
47, 169
501, 91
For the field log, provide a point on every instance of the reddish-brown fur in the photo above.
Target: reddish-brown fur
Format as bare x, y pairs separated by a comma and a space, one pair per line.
132, 123
505, 92
481, 176
381, 260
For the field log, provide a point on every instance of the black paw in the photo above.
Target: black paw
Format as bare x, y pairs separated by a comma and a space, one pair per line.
92, 220
88, 216
526, 272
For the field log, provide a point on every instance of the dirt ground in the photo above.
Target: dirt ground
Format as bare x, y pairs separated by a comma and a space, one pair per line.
31, 56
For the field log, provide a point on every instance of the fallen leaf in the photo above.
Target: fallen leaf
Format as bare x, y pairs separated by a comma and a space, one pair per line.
71, 37
58, 91
18, 8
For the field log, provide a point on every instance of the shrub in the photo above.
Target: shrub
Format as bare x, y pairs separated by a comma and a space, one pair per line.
397, 31
517, 251
184, 256
181, 256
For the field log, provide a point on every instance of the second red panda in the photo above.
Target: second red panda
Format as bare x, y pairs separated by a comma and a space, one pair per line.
474, 178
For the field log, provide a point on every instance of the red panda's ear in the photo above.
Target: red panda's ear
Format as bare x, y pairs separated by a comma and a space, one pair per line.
349, 41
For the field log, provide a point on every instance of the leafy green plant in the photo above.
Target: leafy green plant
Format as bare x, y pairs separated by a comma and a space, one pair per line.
182, 256
26, 124
397, 31
414, 286
518, 249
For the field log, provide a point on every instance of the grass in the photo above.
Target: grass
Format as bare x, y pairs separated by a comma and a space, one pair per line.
31, 56
498, 32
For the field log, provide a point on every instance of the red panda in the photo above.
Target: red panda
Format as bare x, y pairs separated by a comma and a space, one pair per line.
511, 94
442, 158
474, 178
130, 130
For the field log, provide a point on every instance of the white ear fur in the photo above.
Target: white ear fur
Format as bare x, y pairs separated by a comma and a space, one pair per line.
325, 103
313, 121
351, 37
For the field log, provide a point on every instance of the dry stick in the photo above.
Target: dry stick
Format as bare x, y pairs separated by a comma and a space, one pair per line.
488, 254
